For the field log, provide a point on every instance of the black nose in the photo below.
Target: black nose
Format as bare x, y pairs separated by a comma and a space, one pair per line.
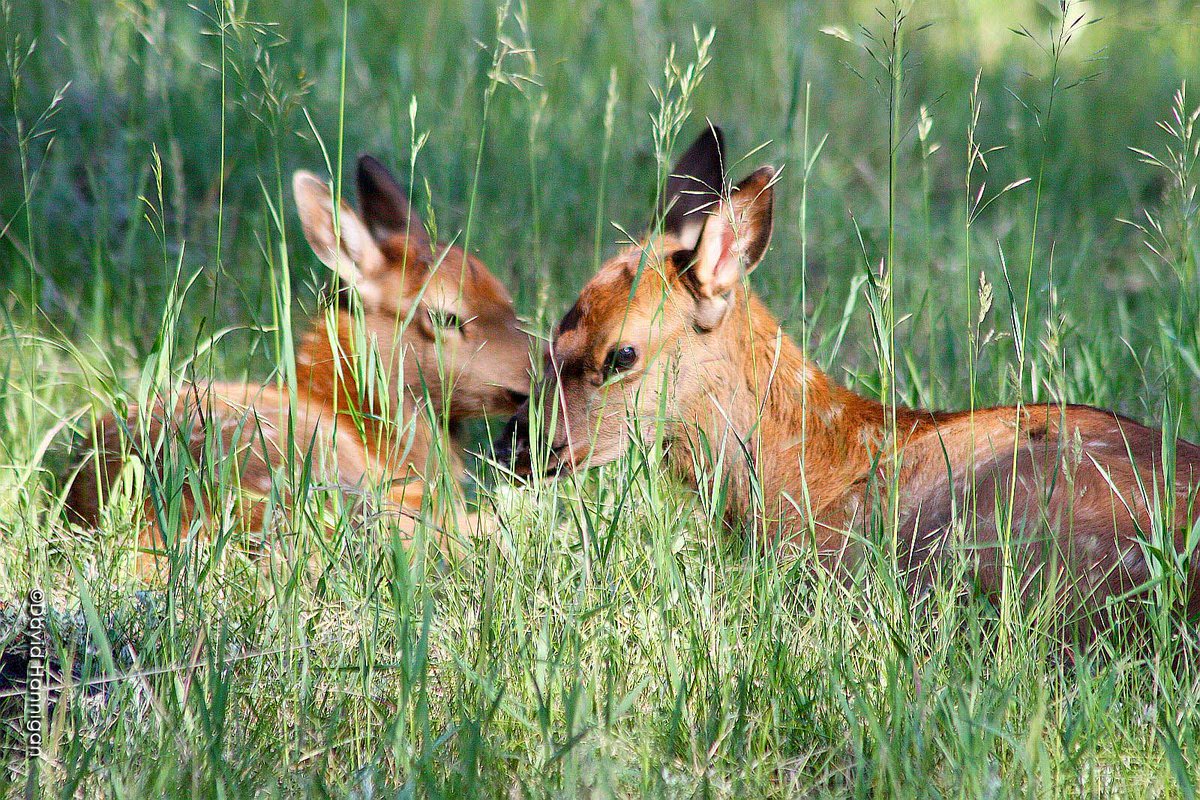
517, 397
511, 445
502, 445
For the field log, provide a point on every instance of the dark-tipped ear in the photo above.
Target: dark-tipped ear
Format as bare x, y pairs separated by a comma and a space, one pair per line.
734, 240
384, 205
695, 183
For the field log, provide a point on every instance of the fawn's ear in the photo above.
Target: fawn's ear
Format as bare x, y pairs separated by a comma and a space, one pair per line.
695, 183
733, 241
385, 207
345, 246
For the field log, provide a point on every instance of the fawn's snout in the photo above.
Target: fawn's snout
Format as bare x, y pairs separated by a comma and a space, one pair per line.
521, 444
511, 446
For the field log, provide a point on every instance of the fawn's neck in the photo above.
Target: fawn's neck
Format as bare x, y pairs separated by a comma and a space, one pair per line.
327, 382
800, 437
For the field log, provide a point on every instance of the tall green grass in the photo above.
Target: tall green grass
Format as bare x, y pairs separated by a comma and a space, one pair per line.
598, 641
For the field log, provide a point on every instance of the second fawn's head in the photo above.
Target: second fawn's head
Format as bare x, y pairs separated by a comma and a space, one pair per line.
463, 342
649, 331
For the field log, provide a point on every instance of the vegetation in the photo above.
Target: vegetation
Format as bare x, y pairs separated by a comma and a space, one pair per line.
978, 206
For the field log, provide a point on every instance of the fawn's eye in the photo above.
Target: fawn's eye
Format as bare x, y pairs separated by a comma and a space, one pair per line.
445, 319
620, 359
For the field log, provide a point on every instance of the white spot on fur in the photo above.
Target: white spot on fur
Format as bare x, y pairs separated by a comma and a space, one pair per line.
805, 374
870, 438
1133, 560
831, 413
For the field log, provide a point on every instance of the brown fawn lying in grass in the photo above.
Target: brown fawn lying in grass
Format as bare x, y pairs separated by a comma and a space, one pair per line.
667, 334
427, 336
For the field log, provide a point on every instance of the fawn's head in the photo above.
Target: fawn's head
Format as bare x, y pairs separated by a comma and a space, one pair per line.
647, 332
463, 342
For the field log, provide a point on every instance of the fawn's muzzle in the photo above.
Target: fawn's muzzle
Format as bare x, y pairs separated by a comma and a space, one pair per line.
511, 445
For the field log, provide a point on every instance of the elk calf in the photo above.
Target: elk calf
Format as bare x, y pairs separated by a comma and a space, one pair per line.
668, 324
430, 328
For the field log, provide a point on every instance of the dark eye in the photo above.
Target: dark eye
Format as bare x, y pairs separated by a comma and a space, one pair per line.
620, 359
445, 319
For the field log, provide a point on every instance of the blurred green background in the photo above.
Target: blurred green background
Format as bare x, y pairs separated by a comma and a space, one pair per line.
191, 83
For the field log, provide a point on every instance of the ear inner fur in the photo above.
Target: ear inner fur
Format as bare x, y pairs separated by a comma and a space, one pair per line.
344, 245
734, 239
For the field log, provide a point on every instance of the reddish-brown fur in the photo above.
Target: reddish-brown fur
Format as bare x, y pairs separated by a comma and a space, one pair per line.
742, 401
387, 438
